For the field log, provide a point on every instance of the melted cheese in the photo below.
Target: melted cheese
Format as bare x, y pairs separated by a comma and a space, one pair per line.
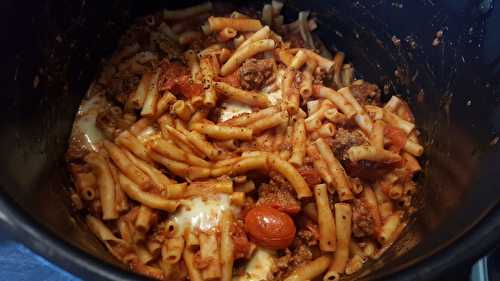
202, 213
148, 134
259, 267
84, 132
273, 91
232, 109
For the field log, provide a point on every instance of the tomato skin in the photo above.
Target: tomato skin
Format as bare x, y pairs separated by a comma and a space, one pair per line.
269, 227
186, 87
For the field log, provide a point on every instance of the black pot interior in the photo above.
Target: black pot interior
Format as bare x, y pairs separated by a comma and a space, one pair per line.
53, 51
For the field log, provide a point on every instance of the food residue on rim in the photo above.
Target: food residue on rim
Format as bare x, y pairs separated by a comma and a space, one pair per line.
494, 141
438, 38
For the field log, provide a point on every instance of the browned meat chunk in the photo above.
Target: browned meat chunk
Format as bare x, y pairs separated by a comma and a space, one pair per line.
242, 247
366, 93
344, 140
254, 73
362, 221
307, 171
309, 235
120, 87
290, 260
278, 195
108, 121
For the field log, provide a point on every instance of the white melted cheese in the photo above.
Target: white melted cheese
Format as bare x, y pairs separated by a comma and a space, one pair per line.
84, 132
273, 91
259, 267
148, 134
202, 213
232, 109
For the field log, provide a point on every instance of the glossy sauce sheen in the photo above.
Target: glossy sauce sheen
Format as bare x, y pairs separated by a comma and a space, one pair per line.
269, 227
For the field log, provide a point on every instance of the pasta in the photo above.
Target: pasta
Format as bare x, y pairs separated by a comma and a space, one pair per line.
326, 222
229, 145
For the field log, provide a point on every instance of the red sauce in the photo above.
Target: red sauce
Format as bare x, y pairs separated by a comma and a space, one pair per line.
396, 137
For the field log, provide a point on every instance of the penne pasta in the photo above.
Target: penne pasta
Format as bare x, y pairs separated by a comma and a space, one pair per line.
396, 121
136, 100
245, 119
311, 270
209, 253
214, 132
227, 34
152, 95
342, 184
207, 71
105, 184
326, 221
226, 246
126, 166
268, 122
343, 217
299, 143
193, 272
290, 92
239, 24
306, 89
336, 98
130, 142
371, 153
223, 132
180, 168
298, 60
172, 250
291, 174
246, 52
203, 145
153, 201
171, 151
245, 97
187, 12
321, 166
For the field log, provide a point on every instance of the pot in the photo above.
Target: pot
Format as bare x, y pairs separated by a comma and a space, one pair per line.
53, 49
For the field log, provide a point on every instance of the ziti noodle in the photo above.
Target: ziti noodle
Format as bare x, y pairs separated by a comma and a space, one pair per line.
234, 146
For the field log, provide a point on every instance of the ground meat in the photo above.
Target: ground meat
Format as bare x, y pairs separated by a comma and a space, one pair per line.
295, 40
320, 76
368, 170
242, 247
120, 86
309, 235
254, 73
344, 140
366, 93
290, 260
362, 221
307, 171
278, 194
108, 121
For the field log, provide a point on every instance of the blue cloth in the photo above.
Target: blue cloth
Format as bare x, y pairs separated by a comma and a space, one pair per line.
18, 263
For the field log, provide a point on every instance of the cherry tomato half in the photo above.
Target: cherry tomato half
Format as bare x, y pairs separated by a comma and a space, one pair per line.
269, 227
